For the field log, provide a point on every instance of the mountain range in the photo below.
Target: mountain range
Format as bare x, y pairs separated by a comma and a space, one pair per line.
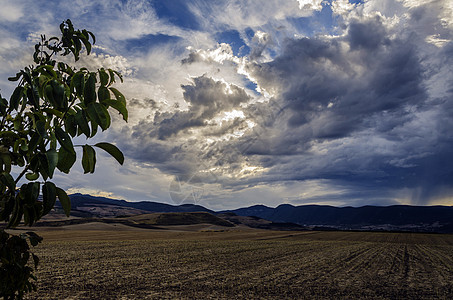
395, 217
286, 216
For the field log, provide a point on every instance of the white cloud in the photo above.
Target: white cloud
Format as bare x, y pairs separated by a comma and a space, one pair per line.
310, 4
342, 7
11, 11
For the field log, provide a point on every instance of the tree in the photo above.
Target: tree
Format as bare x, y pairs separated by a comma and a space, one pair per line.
52, 104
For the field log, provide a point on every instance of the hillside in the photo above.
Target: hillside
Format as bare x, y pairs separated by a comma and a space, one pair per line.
149, 221
396, 217
181, 218
87, 206
283, 217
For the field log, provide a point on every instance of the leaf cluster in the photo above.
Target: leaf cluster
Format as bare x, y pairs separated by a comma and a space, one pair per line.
15, 273
52, 104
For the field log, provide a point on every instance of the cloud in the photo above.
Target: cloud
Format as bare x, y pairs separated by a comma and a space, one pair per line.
206, 98
362, 109
241, 14
337, 81
358, 108
172, 140
11, 12
269, 101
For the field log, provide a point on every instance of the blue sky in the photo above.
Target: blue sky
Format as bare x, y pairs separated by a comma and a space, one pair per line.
235, 103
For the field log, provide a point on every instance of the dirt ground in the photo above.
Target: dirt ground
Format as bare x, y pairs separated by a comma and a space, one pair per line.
95, 262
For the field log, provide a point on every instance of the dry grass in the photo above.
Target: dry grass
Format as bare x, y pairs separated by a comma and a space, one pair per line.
248, 264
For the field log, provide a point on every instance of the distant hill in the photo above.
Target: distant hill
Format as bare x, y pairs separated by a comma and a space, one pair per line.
283, 217
179, 218
150, 221
92, 206
259, 223
396, 217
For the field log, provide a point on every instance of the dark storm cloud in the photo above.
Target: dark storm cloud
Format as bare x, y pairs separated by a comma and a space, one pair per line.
367, 36
169, 157
365, 87
368, 111
321, 82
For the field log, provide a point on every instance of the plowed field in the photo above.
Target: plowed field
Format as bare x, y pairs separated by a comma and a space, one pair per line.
245, 265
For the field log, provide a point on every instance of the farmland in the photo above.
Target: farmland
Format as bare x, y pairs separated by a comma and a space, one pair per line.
148, 264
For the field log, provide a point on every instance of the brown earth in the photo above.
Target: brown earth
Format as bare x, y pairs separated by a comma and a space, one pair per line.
103, 261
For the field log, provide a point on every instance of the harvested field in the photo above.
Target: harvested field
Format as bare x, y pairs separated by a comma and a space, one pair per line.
251, 264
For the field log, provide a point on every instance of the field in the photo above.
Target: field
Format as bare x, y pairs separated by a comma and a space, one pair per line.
243, 264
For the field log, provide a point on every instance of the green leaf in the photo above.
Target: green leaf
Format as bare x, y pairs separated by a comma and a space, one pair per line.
15, 97
29, 192
35, 260
58, 92
62, 67
3, 106
92, 36
49, 196
94, 128
7, 207
18, 123
15, 78
86, 42
32, 176
47, 70
88, 159
104, 77
16, 214
41, 128
33, 96
98, 113
112, 76
16, 146
34, 190
6, 159
77, 83
34, 238
65, 160
24, 145
9, 135
112, 150
77, 47
53, 140
118, 74
119, 106
34, 141
70, 125
64, 200
43, 166
64, 139
82, 122
52, 111
118, 95
103, 93
89, 91
52, 161
8, 180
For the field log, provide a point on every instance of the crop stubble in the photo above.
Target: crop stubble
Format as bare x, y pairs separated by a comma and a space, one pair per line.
319, 265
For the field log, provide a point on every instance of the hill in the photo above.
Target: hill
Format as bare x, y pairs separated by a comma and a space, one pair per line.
181, 218
87, 206
396, 217
149, 221
283, 217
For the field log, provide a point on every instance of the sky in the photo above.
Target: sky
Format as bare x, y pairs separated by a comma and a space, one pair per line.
244, 102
